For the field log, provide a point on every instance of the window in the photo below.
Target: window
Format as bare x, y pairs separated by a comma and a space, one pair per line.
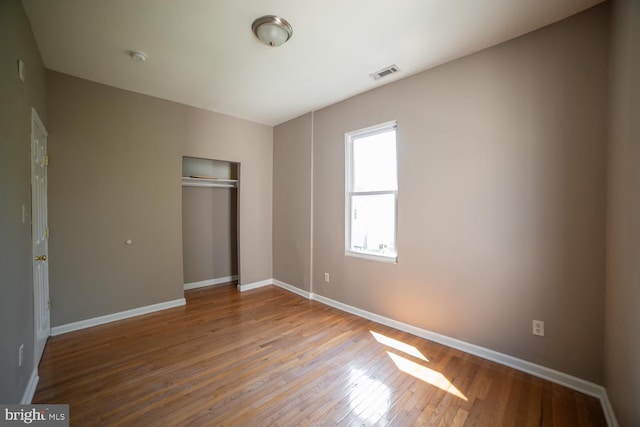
372, 192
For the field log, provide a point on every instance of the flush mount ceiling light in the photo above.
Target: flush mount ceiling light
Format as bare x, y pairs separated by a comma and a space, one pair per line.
272, 30
138, 56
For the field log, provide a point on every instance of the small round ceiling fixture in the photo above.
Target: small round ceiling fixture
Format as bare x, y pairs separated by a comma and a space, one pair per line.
138, 55
272, 30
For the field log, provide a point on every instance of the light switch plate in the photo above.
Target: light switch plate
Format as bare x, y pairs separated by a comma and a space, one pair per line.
21, 70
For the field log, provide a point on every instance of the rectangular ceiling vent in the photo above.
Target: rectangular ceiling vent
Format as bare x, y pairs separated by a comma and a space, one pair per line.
385, 72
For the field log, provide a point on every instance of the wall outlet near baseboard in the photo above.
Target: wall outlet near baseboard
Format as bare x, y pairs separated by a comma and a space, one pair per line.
326, 277
538, 328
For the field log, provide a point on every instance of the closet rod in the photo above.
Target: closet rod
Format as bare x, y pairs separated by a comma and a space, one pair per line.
207, 184
216, 183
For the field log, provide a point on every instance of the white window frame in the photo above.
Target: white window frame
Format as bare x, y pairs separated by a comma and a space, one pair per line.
349, 193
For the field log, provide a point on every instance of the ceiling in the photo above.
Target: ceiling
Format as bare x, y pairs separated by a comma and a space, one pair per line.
202, 52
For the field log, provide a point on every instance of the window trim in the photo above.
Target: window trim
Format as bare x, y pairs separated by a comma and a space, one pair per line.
349, 137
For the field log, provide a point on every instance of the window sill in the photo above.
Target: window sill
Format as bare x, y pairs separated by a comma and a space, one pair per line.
373, 257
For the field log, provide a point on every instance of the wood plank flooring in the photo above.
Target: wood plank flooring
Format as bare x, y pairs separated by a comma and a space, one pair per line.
270, 357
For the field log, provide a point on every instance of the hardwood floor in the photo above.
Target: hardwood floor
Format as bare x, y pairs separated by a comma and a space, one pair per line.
270, 357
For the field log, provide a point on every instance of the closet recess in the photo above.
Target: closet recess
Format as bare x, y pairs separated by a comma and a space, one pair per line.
209, 221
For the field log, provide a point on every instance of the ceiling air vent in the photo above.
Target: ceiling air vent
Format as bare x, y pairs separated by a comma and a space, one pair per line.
385, 72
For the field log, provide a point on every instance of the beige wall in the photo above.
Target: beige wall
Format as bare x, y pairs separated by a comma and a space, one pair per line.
501, 197
209, 237
115, 175
292, 202
16, 285
622, 346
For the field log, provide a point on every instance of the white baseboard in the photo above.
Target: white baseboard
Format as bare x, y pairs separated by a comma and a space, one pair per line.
283, 285
30, 390
254, 285
83, 324
608, 410
543, 372
210, 282
290, 288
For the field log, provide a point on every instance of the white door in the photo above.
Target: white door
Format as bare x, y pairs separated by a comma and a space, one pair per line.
40, 233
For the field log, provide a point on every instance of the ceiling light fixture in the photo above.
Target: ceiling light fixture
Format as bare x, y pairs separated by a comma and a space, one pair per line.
138, 56
272, 30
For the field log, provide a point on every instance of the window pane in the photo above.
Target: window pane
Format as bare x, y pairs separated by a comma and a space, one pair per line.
373, 219
374, 162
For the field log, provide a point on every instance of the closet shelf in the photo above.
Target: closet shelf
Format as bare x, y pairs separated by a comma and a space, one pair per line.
188, 181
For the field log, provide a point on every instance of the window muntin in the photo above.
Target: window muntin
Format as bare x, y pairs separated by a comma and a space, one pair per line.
372, 192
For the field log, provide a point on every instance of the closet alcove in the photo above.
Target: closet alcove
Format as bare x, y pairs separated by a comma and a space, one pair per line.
209, 222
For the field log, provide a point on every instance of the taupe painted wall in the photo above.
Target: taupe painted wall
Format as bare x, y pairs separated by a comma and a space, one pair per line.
501, 215
209, 233
622, 345
114, 175
16, 284
292, 202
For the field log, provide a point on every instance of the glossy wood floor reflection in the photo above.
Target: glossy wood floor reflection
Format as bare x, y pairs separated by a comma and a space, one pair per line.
270, 357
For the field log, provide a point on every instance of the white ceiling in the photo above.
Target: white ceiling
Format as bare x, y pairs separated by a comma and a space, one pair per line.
202, 52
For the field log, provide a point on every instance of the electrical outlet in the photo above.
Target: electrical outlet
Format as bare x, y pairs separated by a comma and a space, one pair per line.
20, 355
538, 328
326, 277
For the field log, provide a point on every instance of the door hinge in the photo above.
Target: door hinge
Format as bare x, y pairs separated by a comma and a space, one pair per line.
46, 160
46, 233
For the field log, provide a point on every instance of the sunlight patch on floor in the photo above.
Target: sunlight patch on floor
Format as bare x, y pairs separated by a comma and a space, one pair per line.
369, 398
399, 345
425, 374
